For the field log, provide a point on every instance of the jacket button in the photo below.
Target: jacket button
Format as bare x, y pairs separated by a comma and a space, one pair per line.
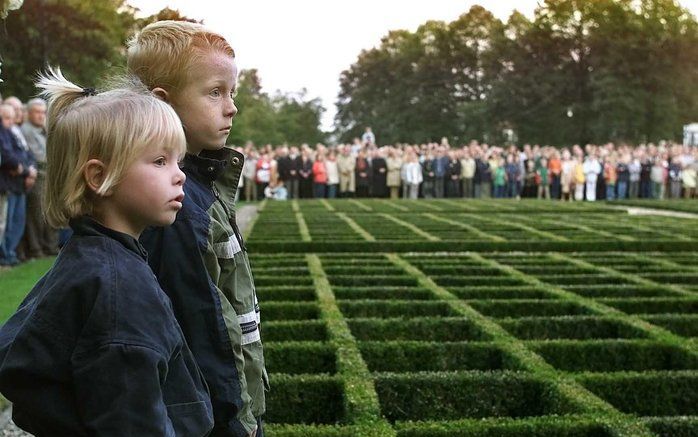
236, 160
210, 169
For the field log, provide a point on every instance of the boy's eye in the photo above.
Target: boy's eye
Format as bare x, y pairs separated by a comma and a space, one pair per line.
161, 161
216, 92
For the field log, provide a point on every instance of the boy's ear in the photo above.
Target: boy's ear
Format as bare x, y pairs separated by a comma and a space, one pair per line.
94, 174
162, 94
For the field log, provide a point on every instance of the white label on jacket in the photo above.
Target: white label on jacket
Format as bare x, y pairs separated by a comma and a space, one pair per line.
249, 327
227, 249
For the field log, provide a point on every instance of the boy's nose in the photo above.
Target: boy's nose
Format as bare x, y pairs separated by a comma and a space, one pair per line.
180, 177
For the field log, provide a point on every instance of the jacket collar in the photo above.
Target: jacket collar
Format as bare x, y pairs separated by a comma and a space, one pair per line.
88, 226
208, 165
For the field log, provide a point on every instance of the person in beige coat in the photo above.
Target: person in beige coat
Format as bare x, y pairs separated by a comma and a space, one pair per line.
394, 163
346, 163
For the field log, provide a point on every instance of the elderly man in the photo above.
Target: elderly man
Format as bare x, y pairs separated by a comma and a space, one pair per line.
346, 163
41, 239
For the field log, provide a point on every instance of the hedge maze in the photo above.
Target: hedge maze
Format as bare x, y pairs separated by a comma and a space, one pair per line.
577, 322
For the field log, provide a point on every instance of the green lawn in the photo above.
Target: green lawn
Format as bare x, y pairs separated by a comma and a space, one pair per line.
17, 282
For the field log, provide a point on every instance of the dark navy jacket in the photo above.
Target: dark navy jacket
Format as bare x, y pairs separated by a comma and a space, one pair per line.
195, 298
13, 154
95, 349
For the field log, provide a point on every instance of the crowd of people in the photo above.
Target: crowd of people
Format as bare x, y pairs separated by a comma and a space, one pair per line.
24, 232
363, 169
439, 170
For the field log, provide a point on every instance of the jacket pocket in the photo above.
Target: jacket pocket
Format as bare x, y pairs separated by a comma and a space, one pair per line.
191, 418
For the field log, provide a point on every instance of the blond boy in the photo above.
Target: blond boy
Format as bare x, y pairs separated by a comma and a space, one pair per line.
201, 260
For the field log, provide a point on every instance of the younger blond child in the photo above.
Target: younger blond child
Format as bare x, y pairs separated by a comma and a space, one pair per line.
95, 348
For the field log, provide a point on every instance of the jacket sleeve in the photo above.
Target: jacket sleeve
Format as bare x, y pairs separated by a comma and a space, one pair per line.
119, 390
10, 160
175, 257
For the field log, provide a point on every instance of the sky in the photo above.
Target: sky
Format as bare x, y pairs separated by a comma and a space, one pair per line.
308, 43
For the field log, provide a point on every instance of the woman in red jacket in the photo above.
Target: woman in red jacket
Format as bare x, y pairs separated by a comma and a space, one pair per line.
319, 176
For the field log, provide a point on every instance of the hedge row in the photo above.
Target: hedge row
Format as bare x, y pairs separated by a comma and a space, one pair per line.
383, 292
447, 396
299, 358
579, 328
617, 291
647, 394
273, 311
403, 309
653, 305
271, 245
363, 280
312, 330
410, 356
290, 293
528, 308
501, 292
445, 329
614, 355
305, 399
685, 325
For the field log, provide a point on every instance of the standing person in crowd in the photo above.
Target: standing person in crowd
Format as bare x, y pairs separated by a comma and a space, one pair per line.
566, 175
319, 176
484, 174
623, 173
284, 165
554, 170
263, 174
363, 175
41, 238
675, 177
440, 164
467, 168
543, 179
513, 174
346, 164
579, 178
413, 175
610, 177
295, 164
658, 177
453, 172
305, 174
592, 168
645, 181
379, 179
688, 178
18, 175
499, 179
368, 138
332, 174
428, 176
249, 173
634, 168
394, 164
530, 189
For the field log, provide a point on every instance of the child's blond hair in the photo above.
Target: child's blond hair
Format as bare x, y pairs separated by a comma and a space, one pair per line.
114, 127
162, 53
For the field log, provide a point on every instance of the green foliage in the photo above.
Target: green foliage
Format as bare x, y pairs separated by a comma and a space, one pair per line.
649, 393
299, 358
312, 330
578, 72
674, 426
17, 282
579, 328
305, 399
434, 356
403, 309
614, 355
283, 118
528, 308
424, 329
447, 396
289, 311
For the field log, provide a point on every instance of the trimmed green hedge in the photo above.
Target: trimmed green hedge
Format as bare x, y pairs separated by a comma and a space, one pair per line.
424, 329
293, 293
618, 291
544, 426
654, 305
265, 281
647, 394
300, 358
364, 280
580, 328
402, 309
674, 426
446, 396
685, 325
475, 281
500, 292
267, 246
582, 279
311, 330
435, 356
607, 356
305, 399
389, 293
526, 308
274, 311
